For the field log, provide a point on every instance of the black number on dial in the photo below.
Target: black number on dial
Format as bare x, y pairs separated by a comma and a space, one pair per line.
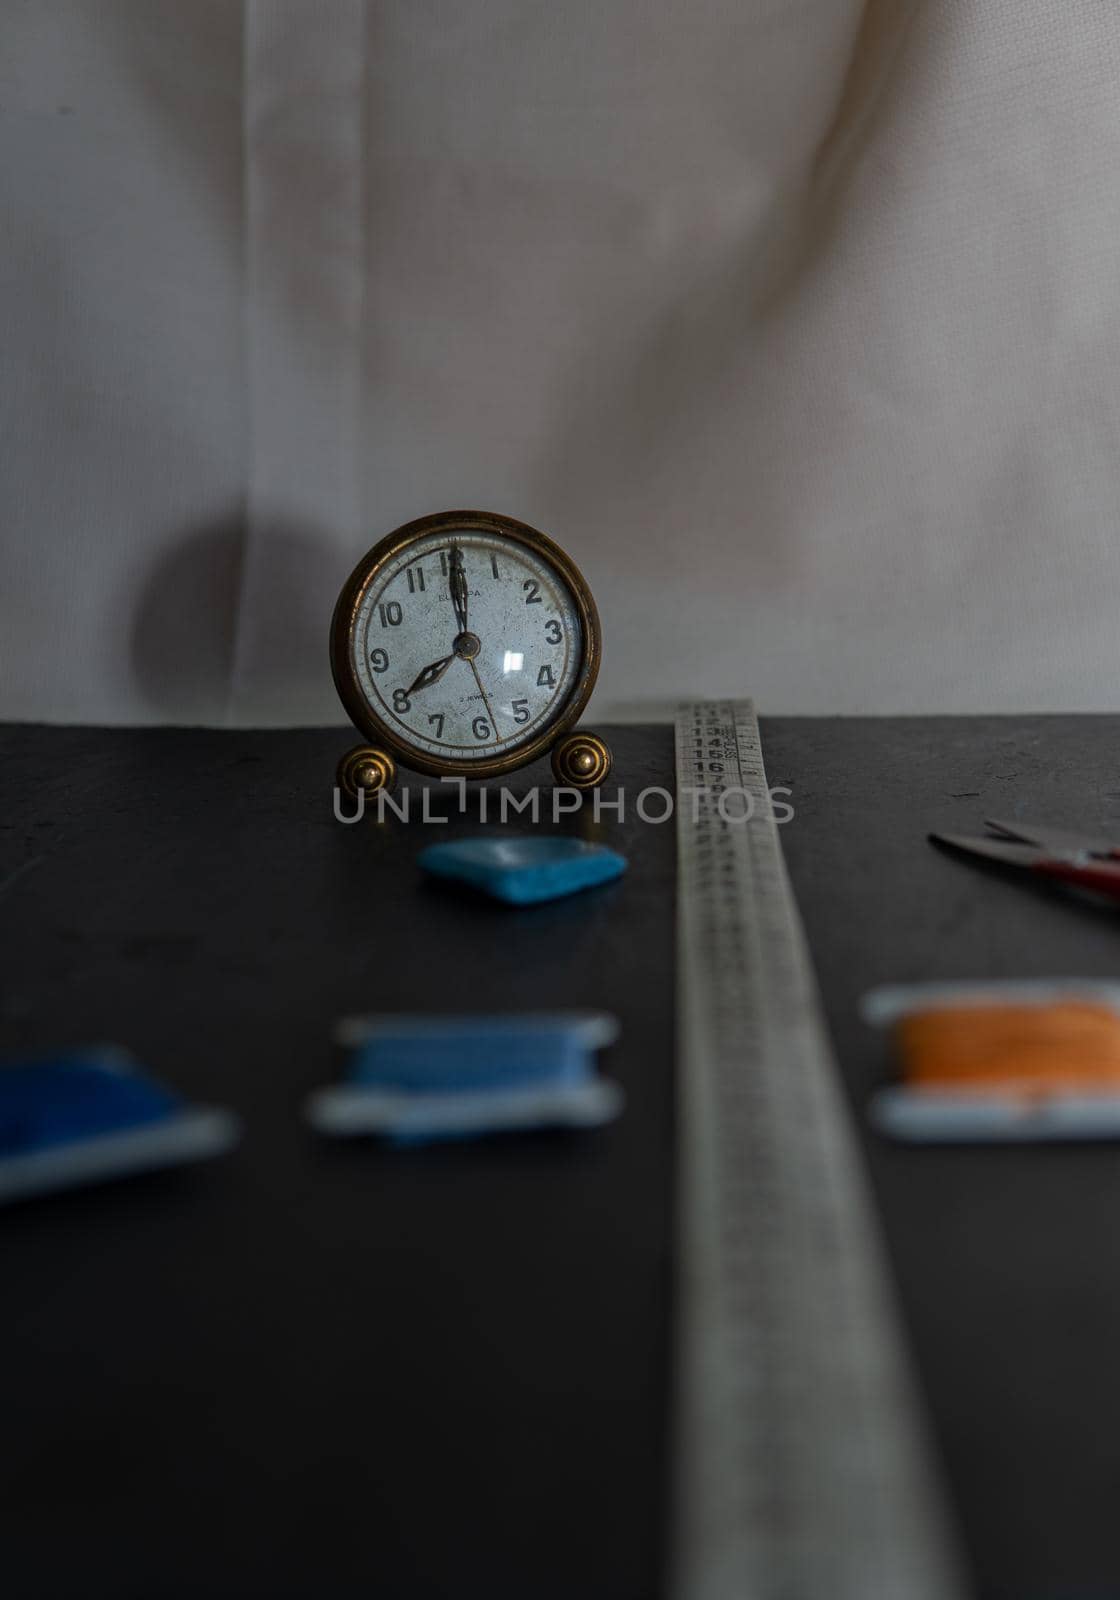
379, 660
521, 711
553, 632
533, 595
401, 702
480, 728
390, 614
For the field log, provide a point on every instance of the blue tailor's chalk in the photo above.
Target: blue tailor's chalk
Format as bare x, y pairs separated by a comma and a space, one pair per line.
413, 1079
90, 1114
523, 869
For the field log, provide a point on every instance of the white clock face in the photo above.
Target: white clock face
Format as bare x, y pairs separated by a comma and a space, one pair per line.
467, 645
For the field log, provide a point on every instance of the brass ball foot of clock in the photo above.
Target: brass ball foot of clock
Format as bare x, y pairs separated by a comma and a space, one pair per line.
366, 770
581, 760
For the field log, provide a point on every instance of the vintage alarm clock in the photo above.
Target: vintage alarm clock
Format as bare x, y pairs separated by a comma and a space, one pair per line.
466, 644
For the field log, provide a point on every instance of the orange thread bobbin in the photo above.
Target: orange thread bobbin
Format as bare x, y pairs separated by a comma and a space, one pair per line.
1033, 1050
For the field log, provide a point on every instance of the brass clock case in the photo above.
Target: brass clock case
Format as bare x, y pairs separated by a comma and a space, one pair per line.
366, 574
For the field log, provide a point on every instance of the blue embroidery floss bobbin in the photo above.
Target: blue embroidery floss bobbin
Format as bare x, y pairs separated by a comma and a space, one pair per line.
82, 1116
413, 1079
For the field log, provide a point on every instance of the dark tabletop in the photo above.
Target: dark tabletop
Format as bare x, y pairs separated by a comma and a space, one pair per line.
326, 1369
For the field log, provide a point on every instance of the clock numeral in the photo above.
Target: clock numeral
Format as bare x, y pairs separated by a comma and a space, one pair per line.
443, 563
553, 632
437, 718
533, 597
481, 729
545, 680
494, 566
390, 614
521, 711
379, 660
401, 702
415, 579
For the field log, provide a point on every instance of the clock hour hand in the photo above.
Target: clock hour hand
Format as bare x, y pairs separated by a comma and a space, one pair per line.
458, 583
432, 673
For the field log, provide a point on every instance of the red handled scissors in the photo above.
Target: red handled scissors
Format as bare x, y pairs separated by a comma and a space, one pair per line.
1055, 853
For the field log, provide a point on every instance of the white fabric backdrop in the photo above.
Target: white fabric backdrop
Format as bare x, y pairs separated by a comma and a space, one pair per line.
796, 321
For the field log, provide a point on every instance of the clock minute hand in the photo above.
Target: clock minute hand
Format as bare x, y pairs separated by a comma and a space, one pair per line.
485, 697
458, 585
432, 673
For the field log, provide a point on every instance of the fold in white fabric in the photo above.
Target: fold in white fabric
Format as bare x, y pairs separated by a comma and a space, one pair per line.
304, 277
797, 324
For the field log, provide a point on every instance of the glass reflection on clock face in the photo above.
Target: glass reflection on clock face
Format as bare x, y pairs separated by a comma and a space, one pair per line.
467, 645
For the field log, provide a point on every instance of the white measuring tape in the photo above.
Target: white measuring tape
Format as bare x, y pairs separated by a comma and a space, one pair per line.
802, 1469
